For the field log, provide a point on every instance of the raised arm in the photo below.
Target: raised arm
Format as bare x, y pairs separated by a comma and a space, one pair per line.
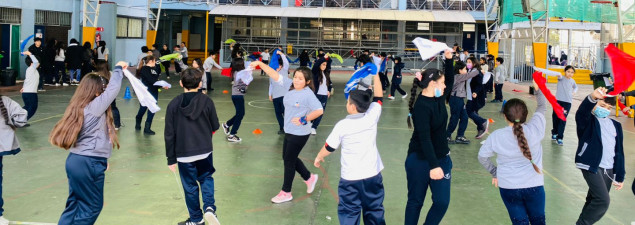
268, 70
101, 103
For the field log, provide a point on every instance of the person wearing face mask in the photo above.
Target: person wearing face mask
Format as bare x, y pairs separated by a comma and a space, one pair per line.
428, 164
476, 97
600, 153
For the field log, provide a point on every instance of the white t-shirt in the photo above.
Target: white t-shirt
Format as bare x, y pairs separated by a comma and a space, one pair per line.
101, 55
357, 135
265, 56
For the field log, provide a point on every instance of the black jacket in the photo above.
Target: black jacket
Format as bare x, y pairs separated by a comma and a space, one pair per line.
75, 56
448, 69
148, 76
189, 126
38, 52
589, 153
429, 140
477, 87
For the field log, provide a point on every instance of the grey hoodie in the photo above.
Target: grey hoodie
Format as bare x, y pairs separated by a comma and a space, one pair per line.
458, 89
17, 115
93, 139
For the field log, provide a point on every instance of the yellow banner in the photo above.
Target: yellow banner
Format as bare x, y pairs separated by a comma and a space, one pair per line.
151, 36
540, 54
88, 34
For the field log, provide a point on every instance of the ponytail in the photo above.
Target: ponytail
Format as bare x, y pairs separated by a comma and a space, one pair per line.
413, 95
5, 114
515, 111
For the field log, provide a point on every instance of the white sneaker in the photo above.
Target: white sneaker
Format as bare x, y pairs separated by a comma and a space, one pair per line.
404, 96
225, 128
282, 197
210, 216
57, 84
391, 97
65, 84
313, 131
4, 221
75, 81
233, 138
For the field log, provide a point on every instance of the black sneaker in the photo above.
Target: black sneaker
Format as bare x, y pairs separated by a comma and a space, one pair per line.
225, 128
481, 133
450, 141
461, 140
210, 216
190, 222
281, 132
148, 132
233, 138
26, 125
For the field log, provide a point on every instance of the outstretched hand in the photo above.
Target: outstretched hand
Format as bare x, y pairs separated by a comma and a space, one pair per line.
124, 65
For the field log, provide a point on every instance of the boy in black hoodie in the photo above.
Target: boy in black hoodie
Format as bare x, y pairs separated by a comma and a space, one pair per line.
190, 122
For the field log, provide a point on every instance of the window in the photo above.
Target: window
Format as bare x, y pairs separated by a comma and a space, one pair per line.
52, 18
10, 15
266, 27
128, 27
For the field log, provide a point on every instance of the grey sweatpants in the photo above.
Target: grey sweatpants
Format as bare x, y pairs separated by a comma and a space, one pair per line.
598, 199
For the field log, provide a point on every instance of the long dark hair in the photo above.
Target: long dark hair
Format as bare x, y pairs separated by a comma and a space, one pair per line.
87, 45
427, 76
515, 111
102, 45
59, 46
237, 65
475, 63
144, 61
103, 69
317, 72
5, 114
306, 72
199, 63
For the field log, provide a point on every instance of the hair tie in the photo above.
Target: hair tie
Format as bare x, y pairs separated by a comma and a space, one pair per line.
409, 114
418, 75
517, 121
532, 161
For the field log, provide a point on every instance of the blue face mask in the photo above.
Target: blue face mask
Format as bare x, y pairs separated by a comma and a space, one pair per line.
437, 92
601, 112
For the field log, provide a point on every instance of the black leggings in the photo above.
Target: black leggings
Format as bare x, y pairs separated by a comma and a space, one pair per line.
290, 151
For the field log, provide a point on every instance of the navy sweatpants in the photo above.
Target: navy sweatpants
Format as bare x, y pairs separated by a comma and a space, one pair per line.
86, 189
418, 176
323, 99
278, 106
361, 197
193, 174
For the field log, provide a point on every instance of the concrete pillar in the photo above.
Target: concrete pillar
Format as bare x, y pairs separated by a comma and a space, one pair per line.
284, 23
26, 29
185, 29
401, 36
76, 17
109, 23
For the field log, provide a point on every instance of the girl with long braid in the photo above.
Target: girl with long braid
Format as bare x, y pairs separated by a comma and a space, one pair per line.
12, 116
428, 164
519, 158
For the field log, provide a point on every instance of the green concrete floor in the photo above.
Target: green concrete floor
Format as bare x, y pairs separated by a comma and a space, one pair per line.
140, 189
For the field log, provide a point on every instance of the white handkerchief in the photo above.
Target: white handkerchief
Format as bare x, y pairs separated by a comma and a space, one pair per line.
547, 72
428, 49
162, 83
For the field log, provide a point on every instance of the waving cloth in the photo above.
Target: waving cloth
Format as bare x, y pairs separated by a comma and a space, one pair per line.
23, 45
274, 61
367, 70
145, 98
541, 82
428, 49
623, 72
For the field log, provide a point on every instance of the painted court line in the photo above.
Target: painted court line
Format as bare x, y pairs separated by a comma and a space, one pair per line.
34, 223
570, 190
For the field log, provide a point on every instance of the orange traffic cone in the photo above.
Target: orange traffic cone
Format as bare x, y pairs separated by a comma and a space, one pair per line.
491, 120
257, 131
225, 91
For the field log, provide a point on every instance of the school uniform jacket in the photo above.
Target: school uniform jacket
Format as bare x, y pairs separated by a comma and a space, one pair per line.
589, 153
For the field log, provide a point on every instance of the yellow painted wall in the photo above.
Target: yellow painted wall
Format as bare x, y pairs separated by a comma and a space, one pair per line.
151, 36
581, 76
185, 37
88, 34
